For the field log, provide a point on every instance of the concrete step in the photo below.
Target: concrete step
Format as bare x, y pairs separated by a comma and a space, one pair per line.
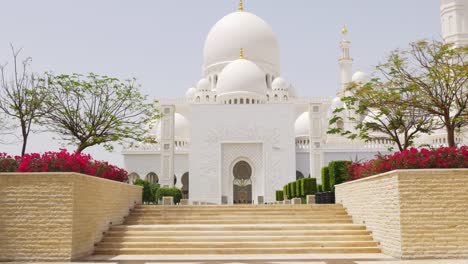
245, 206
154, 221
244, 215
233, 238
237, 227
211, 233
230, 251
244, 244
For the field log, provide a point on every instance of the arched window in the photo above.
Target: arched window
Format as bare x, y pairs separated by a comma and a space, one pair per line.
207, 98
198, 99
152, 177
235, 101
242, 101
340, 124
230, 101
276, 97
132, 177
285, 98
175, 180
268, 97
299, 175
185, 185
247, 101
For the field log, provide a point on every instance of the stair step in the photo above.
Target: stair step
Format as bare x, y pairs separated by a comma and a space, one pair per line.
233, 221
207, 233
244, 244
220, 238
230, 251
238, 227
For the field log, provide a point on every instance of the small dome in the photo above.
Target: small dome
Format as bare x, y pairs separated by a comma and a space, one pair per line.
203, 85
242, 30
360, 77
241, 76
181, 125
190, 92
279, 84
301, 127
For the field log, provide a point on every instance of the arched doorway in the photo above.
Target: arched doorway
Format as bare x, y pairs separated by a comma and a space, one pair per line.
152, 177
242, 186
185, 185
299, 175
132, 177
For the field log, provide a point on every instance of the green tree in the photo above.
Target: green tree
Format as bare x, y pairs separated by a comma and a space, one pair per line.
97, 110
22, 96
381, 110
438, 73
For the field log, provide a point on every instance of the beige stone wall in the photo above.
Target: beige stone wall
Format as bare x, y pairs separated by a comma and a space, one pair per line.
58, 216
413, 213
375, 203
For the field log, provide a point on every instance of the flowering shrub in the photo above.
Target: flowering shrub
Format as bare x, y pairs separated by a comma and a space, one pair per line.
63, 162
445, 157
8, 163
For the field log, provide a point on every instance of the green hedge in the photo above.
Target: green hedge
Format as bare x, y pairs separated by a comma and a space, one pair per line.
337, 172
174, 192
299, 184
308, 187
279, 196
149, 190
286, 191
325, 180
319, 187
292, 189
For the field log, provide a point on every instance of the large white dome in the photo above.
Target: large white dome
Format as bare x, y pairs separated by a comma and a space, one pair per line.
181, 126
301, 127
242, 30
242, 76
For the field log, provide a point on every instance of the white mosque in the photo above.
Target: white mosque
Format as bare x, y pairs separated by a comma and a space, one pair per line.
243, 132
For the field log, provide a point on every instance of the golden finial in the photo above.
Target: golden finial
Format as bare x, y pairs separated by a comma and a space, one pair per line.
241, 5
344, 30
241, 54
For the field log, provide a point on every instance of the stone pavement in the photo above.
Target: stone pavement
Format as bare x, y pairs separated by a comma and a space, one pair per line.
329, 259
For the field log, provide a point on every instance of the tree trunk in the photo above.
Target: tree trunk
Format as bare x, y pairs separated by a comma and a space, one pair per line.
451, 136
25, 142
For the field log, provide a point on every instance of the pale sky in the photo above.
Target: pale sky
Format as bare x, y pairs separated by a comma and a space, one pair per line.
161, 42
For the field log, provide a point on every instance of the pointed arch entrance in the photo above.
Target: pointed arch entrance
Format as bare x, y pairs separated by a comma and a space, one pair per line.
242, 185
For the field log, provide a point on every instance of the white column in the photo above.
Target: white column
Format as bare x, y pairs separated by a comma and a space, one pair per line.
454, 20
167, 146
315, 145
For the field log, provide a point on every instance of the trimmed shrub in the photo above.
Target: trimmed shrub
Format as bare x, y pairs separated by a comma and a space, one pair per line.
286, 191
338, 172
299, 184
325, 180
149, 190
174, 192
279, 196
319, 188
70, 162
308, 186
292, 189
9, 163
440, 158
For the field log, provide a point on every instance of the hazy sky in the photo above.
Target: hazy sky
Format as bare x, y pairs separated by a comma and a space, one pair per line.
161, 42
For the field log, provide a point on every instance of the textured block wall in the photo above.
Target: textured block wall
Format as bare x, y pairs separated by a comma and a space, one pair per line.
413, 213
375, 203
58, 216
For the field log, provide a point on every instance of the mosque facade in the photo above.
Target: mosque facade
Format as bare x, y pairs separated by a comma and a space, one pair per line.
243, 132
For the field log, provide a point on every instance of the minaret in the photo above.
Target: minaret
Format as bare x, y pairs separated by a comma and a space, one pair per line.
454, 19
345, 61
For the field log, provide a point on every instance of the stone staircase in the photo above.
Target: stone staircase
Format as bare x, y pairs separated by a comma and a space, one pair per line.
237, 229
